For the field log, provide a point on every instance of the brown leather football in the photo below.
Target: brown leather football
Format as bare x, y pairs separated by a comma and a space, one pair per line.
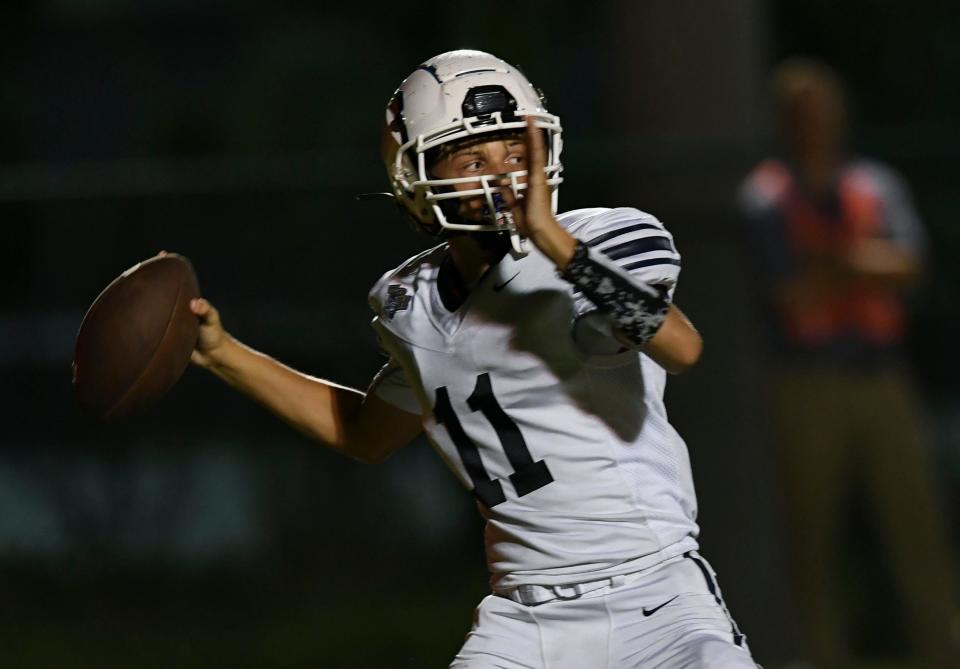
136, 338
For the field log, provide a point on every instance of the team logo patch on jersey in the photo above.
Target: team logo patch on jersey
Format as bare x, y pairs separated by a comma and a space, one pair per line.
397, 300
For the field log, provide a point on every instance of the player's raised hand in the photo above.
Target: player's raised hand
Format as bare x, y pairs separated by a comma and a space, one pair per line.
537, 221
212, 334
538, 213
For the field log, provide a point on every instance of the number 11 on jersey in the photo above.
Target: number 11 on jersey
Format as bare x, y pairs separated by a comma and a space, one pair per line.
527, 475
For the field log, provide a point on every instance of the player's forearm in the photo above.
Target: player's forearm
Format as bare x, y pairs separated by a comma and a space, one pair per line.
554, 242
320, 409
636, 308
677, 345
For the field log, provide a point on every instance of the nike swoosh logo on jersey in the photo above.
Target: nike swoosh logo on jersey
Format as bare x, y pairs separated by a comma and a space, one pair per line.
497, 287
649, 612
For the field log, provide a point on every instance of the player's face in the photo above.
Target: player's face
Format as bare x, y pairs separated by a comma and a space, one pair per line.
476, 158
813, 123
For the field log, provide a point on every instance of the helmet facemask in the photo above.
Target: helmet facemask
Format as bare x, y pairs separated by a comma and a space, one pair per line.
443, 195
490, 108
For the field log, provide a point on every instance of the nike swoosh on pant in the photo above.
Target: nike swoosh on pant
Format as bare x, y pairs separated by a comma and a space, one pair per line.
649, 612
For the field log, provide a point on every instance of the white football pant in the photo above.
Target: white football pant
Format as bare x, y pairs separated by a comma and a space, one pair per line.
670, 616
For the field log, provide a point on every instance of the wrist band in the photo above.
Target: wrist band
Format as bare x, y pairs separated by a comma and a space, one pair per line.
637, 309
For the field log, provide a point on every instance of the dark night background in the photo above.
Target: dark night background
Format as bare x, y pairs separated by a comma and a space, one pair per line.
206, 533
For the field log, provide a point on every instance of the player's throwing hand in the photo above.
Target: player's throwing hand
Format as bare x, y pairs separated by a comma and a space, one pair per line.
212, 334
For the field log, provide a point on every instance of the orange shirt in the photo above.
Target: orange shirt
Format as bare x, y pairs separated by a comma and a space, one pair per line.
865, 198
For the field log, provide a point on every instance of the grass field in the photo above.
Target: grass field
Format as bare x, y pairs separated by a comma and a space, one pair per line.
217, 622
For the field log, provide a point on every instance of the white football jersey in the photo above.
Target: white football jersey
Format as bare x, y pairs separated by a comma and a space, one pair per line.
561, 433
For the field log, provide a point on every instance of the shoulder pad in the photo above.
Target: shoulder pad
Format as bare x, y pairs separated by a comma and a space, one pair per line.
393, 291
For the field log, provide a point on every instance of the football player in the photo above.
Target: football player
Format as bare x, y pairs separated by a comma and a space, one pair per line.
532, 347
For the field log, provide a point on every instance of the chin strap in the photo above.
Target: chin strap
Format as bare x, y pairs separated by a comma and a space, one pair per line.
372, 197
637, 308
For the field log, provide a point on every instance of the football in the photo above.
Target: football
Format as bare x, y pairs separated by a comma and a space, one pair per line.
136, 338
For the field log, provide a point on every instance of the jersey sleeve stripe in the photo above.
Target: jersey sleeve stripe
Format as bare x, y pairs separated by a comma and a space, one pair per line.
638, 264
637, 246
649, 262
600, 239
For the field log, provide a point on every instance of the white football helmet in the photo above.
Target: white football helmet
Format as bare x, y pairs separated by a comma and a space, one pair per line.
450, 97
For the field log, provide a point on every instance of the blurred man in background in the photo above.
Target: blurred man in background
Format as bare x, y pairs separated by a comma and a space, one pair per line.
837, 245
